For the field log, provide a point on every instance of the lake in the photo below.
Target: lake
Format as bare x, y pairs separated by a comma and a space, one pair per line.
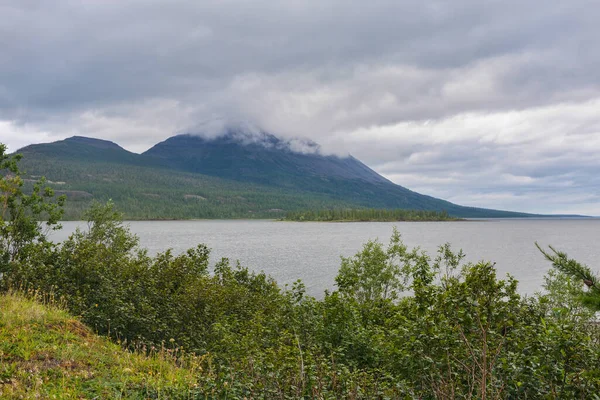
311, 251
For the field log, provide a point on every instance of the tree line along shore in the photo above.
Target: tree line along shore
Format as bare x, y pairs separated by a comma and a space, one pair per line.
368, 215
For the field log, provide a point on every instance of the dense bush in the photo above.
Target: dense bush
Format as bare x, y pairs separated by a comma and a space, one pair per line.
399, 325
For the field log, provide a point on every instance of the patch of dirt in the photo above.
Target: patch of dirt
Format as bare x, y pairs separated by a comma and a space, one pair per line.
75, 194
193, 196
40, 364
47, 181
72, 326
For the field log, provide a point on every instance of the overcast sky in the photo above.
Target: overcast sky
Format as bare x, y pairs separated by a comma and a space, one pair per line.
483, 103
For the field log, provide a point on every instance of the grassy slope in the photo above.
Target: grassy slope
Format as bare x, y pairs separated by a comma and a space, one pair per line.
45, 353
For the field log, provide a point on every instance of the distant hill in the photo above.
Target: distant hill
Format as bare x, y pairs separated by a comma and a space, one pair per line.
236, 175
78, 148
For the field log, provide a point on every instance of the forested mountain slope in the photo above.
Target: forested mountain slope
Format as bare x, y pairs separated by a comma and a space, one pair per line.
232, 176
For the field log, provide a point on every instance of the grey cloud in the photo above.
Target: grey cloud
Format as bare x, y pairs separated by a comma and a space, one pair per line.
77, 55
475, 101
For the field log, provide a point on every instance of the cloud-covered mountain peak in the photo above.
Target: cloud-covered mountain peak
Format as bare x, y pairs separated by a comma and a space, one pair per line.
247, 133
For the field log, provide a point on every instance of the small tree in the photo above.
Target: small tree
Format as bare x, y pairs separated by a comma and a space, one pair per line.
22, 232
374, 273
579, 273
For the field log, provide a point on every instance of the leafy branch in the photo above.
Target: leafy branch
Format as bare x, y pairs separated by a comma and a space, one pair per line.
577, 271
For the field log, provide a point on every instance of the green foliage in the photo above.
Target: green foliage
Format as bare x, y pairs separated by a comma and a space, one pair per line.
401, 324
374, 273
360, 215
22, 234
578, 272
462, 334
119, 290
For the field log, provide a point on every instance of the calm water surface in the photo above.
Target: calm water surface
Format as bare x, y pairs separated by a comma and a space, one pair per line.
311, 251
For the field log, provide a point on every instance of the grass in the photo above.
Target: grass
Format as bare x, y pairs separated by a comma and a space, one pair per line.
46, 353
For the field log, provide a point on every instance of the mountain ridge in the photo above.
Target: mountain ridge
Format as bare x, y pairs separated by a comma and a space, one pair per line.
247, 175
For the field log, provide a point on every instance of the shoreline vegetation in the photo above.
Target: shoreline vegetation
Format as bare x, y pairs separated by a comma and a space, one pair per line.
117, 322
368, 215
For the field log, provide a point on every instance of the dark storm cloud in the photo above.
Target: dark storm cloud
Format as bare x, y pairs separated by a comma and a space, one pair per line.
481, 102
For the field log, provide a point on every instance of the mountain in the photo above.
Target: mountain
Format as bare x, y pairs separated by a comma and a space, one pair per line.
82, 149
263, 159
239, 174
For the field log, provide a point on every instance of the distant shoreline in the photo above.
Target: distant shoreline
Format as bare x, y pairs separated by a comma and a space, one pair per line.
352, 221
376, 220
